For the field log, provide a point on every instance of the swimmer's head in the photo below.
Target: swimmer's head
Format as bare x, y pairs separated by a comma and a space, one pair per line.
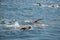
39, 4
29, 27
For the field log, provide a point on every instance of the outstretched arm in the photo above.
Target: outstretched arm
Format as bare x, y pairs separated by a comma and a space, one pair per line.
35, 21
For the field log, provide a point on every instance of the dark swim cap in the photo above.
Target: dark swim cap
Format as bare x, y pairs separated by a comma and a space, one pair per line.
29, 27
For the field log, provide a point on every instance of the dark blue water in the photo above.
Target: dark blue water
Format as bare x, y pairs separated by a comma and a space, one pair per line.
21, 10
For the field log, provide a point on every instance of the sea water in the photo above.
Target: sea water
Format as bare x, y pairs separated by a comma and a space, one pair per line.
22, 10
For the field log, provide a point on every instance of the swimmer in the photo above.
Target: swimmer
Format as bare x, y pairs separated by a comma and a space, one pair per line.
54, 6
36, 20
39, 4
25, 28
33, 21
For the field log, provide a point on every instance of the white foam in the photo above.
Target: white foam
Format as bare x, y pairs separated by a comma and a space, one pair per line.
27, 21
43, 25
50, 6
55, 6
40, 25
44, 6
16, 24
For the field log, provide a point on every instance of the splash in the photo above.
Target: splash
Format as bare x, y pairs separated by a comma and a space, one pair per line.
49, 6
16, 24
41, 5
40, 25
54, 6
6, 24
27, 21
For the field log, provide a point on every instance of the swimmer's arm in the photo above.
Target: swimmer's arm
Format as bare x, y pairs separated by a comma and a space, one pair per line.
35, 21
